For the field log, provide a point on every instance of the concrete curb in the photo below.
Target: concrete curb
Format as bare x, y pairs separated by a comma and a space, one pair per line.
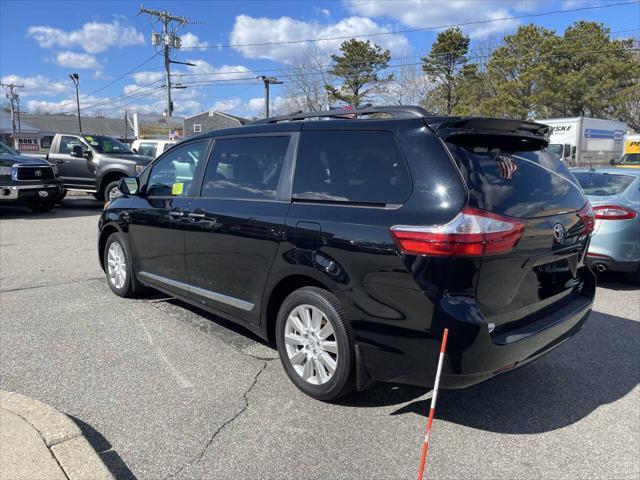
63, 437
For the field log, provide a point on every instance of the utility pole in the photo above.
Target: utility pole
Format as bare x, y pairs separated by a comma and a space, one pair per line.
267, 81
13, 97
168, 41
75, 78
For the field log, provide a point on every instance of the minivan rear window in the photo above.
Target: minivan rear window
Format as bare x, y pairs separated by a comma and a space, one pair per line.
362, 167
519, 184
603, 184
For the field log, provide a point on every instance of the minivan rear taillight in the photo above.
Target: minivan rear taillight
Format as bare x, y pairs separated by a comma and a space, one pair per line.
472, 233
588, 218
613, 212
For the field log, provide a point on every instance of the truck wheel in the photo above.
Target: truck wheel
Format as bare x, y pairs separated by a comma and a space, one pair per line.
61, 196
111, 191
41, 206
315, 343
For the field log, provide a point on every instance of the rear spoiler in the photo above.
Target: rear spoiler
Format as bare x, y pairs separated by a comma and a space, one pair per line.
502, 133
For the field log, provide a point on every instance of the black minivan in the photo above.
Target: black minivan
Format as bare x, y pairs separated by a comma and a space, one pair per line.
353, 238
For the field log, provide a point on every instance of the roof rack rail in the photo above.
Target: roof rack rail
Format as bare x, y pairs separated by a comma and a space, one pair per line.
396, 111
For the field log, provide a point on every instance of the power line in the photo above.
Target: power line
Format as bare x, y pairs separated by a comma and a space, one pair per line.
288, 69
86, 95
141, 92
168, 40
418, 29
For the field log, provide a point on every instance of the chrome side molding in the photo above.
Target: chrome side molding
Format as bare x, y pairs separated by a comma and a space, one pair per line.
215, 296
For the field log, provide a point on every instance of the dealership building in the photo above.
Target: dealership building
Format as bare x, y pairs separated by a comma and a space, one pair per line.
35, 132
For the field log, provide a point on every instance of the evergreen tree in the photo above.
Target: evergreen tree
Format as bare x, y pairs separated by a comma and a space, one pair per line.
447, 66
358, 70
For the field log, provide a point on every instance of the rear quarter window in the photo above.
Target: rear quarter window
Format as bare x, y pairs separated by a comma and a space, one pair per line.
362, 167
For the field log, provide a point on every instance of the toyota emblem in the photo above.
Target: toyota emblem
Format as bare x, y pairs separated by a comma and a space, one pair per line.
558, 232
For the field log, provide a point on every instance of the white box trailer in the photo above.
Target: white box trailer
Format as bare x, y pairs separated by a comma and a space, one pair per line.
583, 142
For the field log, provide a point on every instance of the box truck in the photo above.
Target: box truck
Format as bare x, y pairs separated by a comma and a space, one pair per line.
583, 142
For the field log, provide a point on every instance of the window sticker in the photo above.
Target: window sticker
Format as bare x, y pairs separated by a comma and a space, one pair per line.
177, 188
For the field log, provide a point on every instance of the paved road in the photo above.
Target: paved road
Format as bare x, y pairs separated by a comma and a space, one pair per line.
165, 391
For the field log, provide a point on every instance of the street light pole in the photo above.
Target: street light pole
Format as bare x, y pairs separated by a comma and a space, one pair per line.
75, 78
267, 81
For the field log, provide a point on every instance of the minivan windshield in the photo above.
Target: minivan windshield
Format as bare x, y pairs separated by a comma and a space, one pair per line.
106, 144
603, 184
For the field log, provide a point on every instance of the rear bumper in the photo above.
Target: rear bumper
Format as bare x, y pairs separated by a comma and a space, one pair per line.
485, 359
601, 263
473, 354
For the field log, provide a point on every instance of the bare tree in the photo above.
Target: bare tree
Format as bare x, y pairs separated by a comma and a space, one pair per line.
305, 88
409, 86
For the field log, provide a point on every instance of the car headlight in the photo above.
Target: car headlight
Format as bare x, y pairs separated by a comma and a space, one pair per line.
139, 169
5, 171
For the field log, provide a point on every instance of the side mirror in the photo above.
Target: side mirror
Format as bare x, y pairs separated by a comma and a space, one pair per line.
134, 150
612, 161
77, 151
129, 185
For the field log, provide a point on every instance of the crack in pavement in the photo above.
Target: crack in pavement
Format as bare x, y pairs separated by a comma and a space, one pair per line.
245, 396
92, 279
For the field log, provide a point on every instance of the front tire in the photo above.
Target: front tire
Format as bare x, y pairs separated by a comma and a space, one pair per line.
117, 266
315, 343
111, 191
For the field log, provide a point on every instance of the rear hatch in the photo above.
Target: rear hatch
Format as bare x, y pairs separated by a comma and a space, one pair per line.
509, 173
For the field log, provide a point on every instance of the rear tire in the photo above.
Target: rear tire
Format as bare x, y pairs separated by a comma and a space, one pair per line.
318, 352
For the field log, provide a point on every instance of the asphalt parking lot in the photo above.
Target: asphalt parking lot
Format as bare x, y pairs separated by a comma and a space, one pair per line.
165, 391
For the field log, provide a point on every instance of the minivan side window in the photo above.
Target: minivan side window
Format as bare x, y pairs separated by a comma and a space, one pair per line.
245, 167
362, 167
171, 175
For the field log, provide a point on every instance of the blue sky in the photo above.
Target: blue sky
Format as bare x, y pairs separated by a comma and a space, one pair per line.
41, 42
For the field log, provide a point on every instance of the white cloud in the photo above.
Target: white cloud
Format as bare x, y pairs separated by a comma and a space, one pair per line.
432, 13
92, 37
38, 85
224, 72
189, 40
250, 30
77, 60
144, 77
227, 105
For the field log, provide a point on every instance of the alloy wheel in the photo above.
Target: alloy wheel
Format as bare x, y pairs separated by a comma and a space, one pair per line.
311, 344
114, 193
116, 265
